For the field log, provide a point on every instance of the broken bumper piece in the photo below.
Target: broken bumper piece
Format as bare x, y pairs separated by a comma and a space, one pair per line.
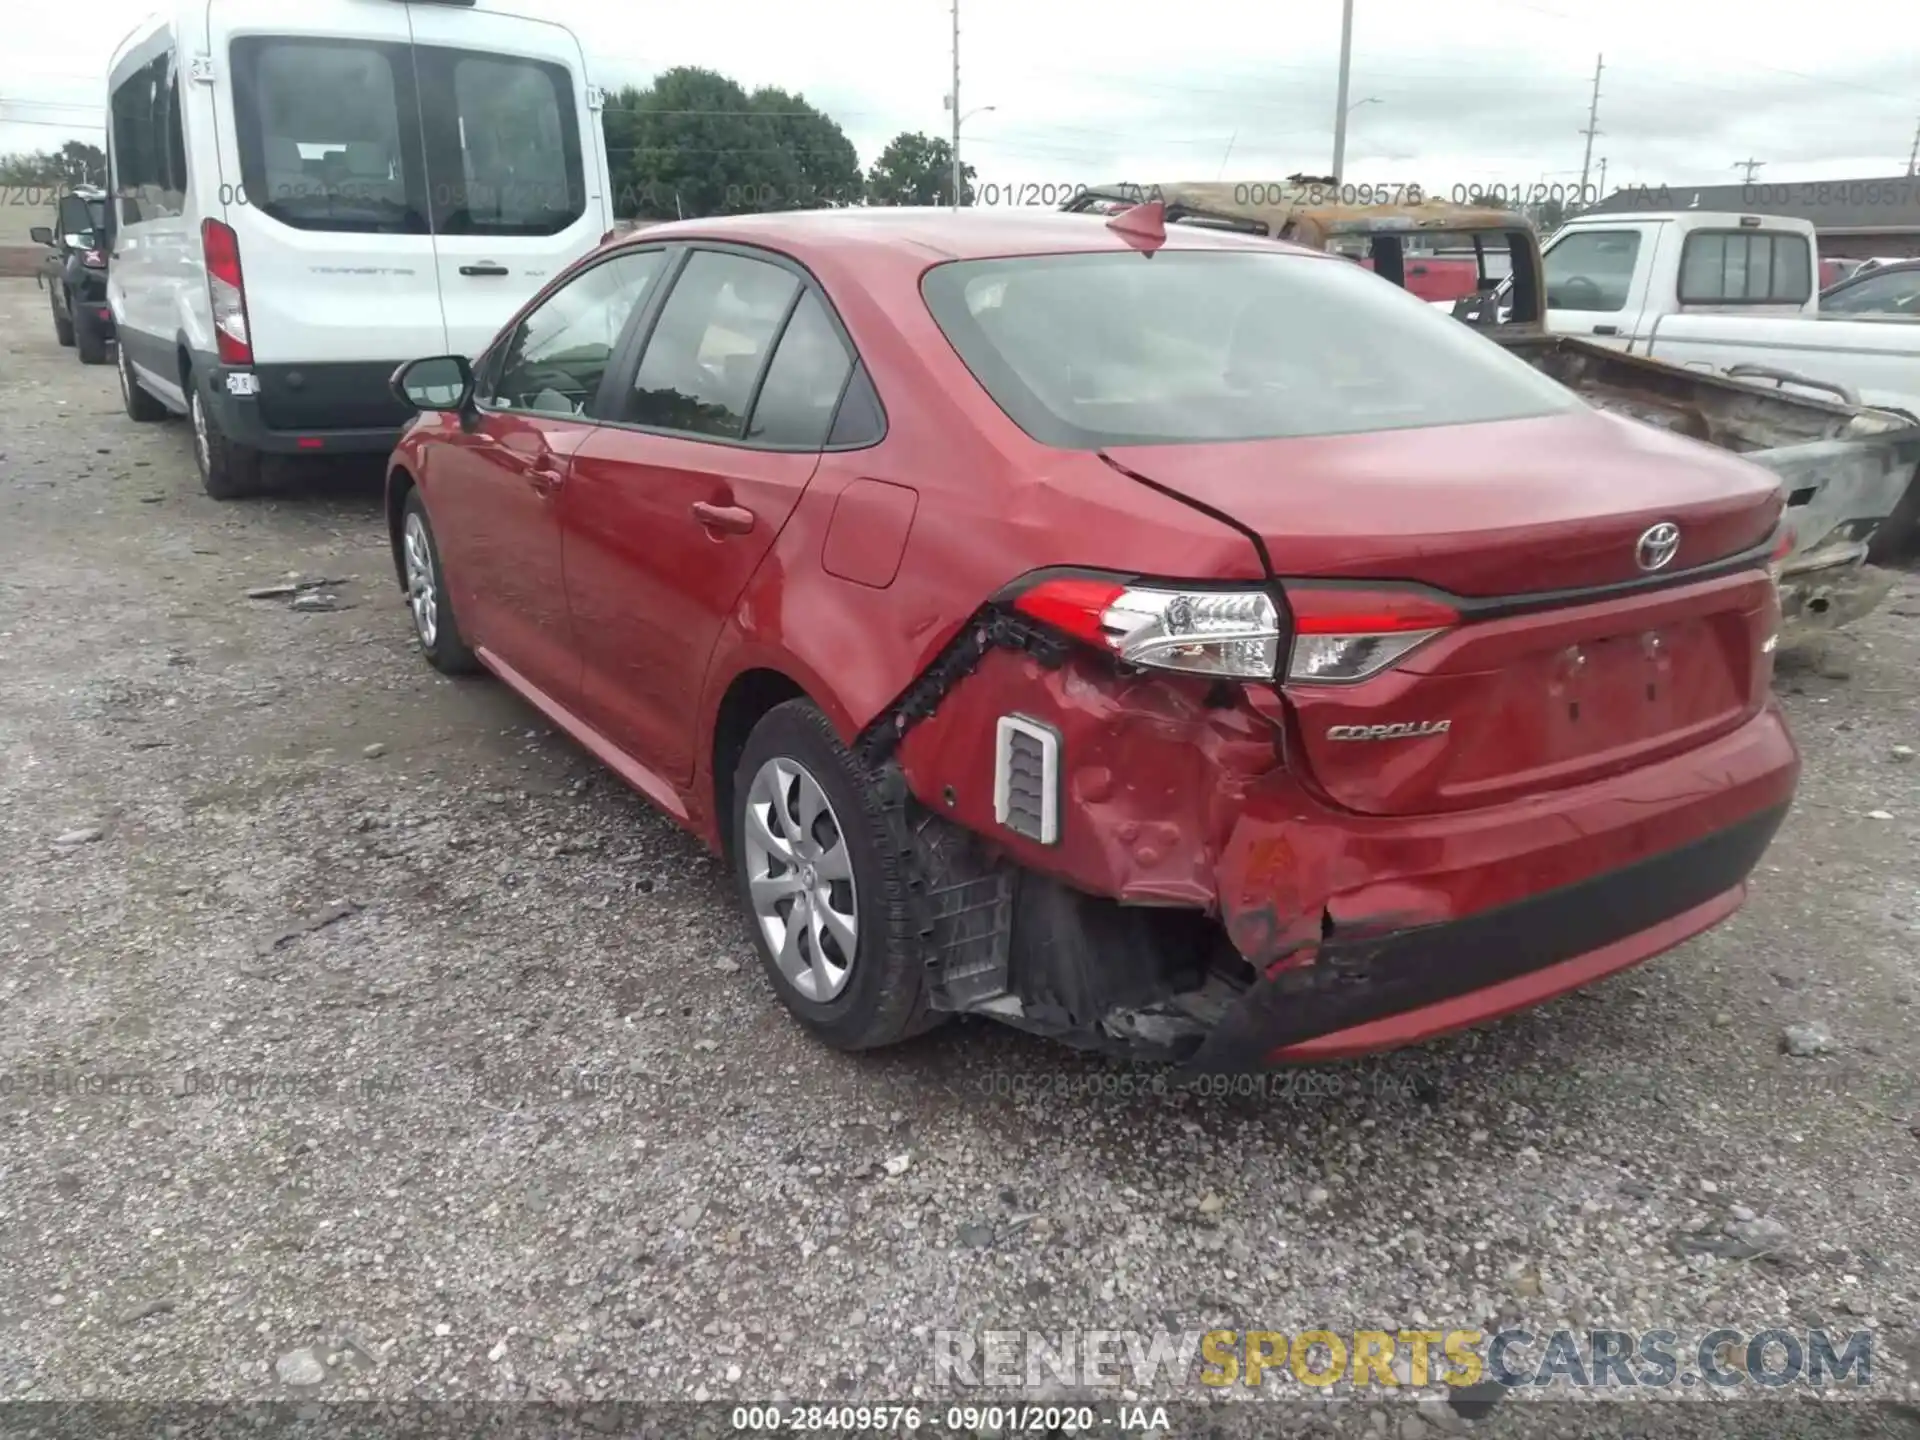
1374, 934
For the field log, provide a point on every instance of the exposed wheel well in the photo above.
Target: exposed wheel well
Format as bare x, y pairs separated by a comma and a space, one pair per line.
183, 361
399, 485
752, 694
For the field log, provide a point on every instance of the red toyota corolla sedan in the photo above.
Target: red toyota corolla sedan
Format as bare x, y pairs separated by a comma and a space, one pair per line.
1182, 645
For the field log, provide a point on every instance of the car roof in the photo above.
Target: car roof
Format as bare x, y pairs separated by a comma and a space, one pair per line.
939, 233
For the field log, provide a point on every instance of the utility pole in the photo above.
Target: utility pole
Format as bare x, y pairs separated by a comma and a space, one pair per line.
1593, 125
1603, 177
1913, 160
954, 100
1749, 166
1340, 99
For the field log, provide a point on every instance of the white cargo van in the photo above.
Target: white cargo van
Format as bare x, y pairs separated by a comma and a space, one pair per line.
308, 192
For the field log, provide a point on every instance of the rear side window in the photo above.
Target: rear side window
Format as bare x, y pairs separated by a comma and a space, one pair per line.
794, 409
1745, 267
323, 144
1111, 348
709, 345
1592, 270
380, 137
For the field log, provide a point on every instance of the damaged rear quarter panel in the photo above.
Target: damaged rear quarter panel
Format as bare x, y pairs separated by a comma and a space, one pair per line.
1152, 774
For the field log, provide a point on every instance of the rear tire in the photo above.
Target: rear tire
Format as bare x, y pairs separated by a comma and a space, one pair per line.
88, 340
139, 404
227, 471
851, 864
1899, 534
62, 324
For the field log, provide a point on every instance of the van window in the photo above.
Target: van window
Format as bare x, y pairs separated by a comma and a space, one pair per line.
1592, 270
322, 143
149, 156
1734, 267
503, 144
370, 136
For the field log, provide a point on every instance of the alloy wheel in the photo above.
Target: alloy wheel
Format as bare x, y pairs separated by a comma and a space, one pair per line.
800, 876
421, 597
202, 449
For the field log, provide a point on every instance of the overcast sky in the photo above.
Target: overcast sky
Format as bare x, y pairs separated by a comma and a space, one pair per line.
1467, 92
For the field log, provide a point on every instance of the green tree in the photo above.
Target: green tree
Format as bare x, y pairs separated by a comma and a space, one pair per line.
696, 143
74, 163
917, 169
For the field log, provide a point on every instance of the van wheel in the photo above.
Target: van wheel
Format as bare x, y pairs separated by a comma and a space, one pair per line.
139, 404
823, 869
88, 339
62, 325
227, 471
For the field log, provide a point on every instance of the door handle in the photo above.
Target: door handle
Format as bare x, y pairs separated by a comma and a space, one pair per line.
545, 479
1606, 329
487, 269
734, 519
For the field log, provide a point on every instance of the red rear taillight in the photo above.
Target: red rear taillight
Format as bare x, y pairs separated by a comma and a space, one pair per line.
1345, 633
227, 292
1232, 632
93, 260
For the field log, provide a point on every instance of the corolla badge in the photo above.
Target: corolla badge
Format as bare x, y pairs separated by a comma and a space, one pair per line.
1657, 546
1406, 730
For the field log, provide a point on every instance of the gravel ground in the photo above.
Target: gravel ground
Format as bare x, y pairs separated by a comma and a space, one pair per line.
535, 1126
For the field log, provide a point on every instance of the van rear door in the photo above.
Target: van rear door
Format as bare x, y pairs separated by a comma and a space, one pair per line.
324, 182
515, 160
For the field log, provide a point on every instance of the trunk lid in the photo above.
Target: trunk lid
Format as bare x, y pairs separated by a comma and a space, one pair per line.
1542, 683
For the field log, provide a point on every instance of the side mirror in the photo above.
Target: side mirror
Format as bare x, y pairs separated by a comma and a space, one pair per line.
40, 235
440, 382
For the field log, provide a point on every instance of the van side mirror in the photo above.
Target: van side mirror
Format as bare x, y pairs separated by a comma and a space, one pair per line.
440, 382
40, 235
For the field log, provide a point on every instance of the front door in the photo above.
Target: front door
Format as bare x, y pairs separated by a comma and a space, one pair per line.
669, 511
497, 485
1597, 284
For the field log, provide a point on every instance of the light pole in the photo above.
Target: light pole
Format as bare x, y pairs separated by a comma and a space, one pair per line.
958, 171
1340, 106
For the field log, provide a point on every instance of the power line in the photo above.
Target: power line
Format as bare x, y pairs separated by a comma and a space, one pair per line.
1749, 166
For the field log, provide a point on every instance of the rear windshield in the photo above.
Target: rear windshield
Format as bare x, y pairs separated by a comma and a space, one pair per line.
1086, 351
383, 137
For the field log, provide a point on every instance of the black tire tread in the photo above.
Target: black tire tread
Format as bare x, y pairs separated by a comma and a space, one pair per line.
142, 408
450, 654
62, 324
233, 472
901, 1007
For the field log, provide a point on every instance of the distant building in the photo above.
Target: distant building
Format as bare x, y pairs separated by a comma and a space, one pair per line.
1853, 218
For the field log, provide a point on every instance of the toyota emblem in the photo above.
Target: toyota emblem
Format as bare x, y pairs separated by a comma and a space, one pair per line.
1658, 546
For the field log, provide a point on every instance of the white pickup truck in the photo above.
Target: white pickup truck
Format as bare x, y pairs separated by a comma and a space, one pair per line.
1734, 295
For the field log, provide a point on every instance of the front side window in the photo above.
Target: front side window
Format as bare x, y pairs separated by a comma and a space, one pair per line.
323, 143
1745, 267
557, 356
1086, 351
1592, 270
1894, 292
707, 350
137, 109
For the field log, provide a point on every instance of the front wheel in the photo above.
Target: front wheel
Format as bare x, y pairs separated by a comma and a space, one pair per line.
227, 471
434, 626
62, 324
822, 871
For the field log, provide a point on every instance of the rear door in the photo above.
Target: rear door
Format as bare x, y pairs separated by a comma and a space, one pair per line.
672, 505
512, 161
324, 183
